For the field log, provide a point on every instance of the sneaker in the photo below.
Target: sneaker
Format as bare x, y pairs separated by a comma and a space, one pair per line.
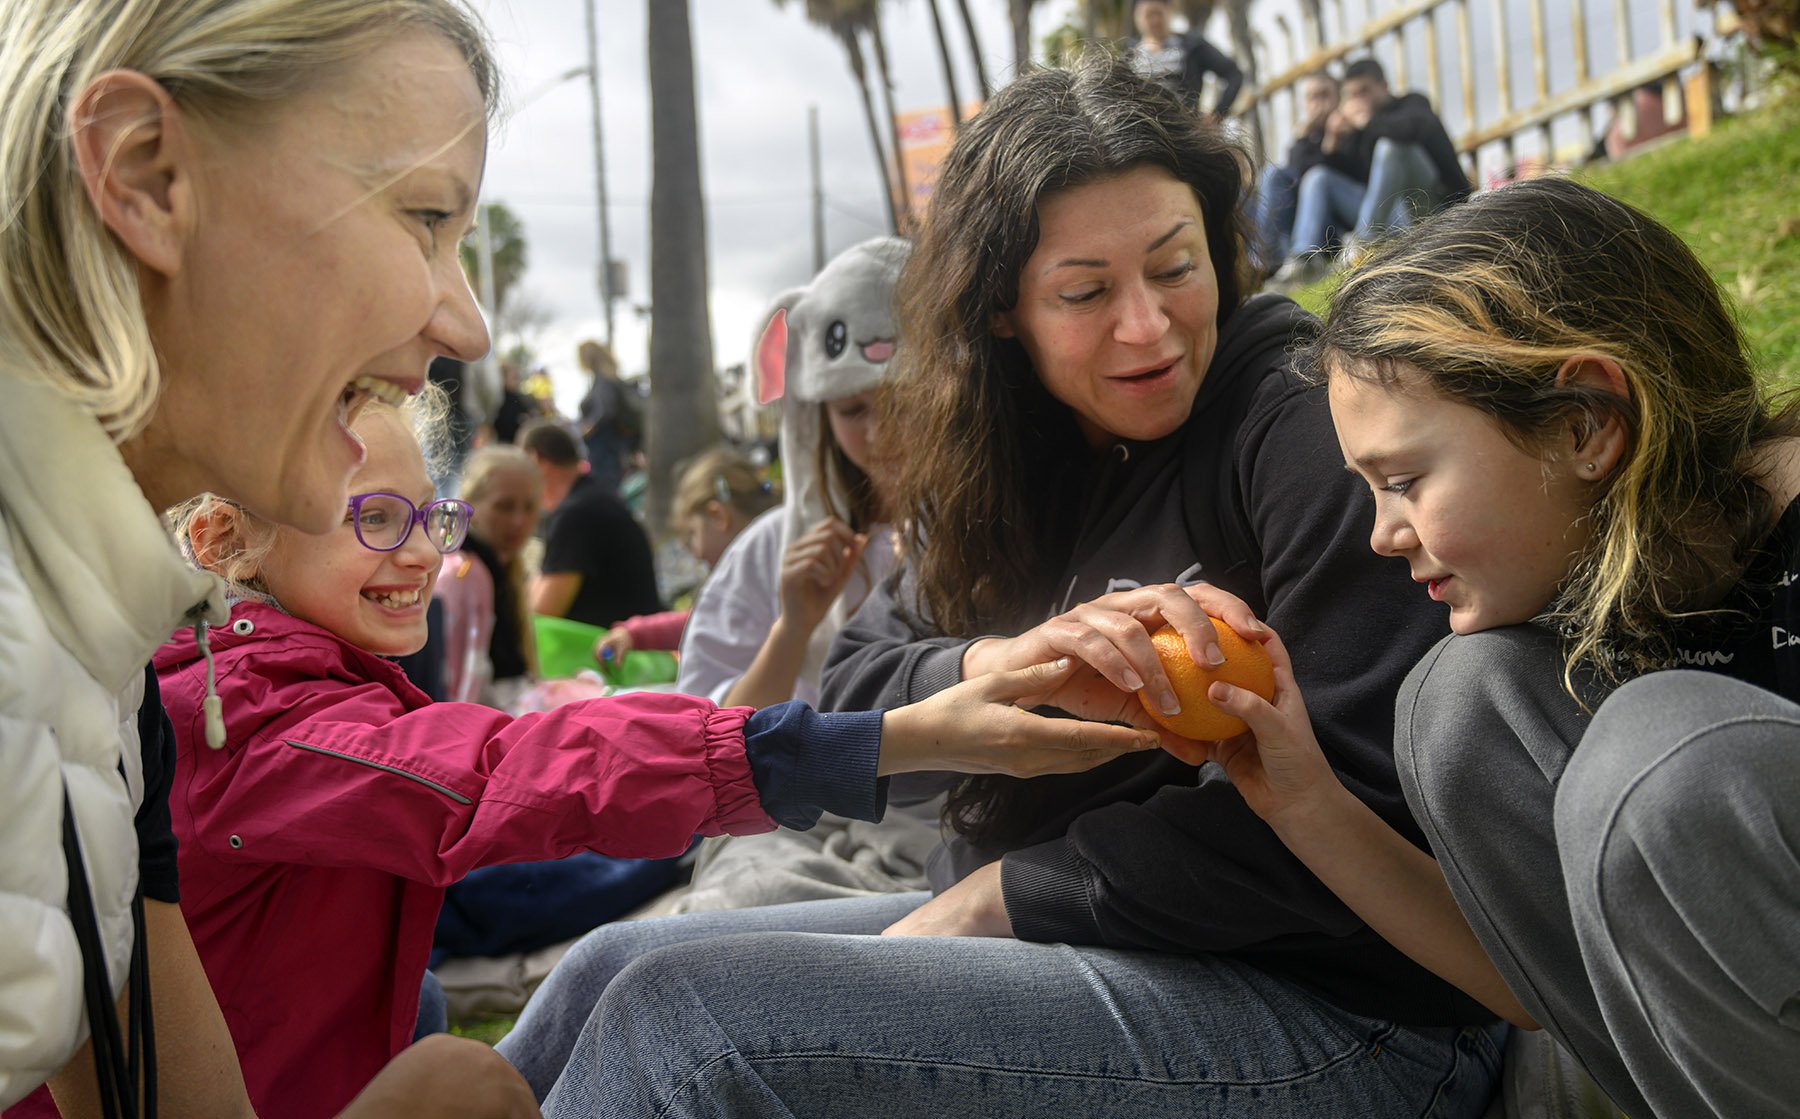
1299, 271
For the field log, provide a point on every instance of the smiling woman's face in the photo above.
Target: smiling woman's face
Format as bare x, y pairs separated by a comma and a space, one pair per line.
1118, 304
321, 265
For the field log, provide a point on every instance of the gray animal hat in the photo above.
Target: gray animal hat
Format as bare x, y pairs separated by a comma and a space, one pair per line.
831, 339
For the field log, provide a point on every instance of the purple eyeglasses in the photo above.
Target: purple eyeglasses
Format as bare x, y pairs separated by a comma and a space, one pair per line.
384, 521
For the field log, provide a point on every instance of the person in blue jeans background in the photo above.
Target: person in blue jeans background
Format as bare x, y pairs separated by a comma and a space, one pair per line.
1386, 160
1279, 188
1096, 419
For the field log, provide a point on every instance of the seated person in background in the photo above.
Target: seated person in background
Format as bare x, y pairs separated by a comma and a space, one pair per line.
719, 493
1280, 186
1181, 62
1386, 159
490, 655
763, 623
597, 563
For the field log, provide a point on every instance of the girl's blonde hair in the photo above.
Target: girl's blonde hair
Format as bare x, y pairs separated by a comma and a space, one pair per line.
726, 476
479, 473
70, 311
239, 560
1486, 302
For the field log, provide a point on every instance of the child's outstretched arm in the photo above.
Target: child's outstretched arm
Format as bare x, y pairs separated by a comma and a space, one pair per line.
814, 571
322, 768
1396, 888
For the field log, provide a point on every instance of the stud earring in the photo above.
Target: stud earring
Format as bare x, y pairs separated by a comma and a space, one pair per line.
1590, 468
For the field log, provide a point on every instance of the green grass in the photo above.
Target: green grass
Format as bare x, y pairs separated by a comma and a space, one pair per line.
1734, 197
489, 1030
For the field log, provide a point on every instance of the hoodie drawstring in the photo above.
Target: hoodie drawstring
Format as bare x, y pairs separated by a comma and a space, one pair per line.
211, 706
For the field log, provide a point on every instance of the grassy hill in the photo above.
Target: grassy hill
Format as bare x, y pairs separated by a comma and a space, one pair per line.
1734, 196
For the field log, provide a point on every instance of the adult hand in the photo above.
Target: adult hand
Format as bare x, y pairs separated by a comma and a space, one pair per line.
445, 1077
1277, 767
613, 645
1110, 637
814, 571
1337, 127
980, 726
972, 907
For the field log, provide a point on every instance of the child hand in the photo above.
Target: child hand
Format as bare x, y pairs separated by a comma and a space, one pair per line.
613, 646
980, 726
814, 571
1278, 766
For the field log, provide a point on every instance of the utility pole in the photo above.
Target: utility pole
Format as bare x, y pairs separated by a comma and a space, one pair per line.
606, 292
818, 189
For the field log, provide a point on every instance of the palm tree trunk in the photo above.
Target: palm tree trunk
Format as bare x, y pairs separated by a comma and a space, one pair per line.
903, 208
846, 34
1237, 18
937, 29
968, 22
684, 413
1020, 10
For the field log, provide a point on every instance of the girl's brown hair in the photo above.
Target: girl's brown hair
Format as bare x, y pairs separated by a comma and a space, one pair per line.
1486, 302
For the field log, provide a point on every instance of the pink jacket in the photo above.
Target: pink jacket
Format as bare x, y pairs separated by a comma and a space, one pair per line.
316, 845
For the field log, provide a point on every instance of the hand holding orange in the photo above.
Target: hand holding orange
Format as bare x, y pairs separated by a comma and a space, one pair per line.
1247, 666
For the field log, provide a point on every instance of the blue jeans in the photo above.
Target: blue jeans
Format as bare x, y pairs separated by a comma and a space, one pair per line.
754, 1013
434, 1009
521, 907
1402, 180
1276, 195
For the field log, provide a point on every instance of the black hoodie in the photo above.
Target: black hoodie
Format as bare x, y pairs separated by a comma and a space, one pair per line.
1148, 852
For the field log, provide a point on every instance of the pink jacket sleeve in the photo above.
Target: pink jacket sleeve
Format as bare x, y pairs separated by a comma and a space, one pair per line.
656, 631
343, 774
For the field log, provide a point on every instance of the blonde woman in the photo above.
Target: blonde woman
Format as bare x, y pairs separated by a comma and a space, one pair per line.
223, 227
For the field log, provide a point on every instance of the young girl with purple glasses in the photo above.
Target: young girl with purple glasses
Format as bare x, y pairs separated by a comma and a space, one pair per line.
323, 803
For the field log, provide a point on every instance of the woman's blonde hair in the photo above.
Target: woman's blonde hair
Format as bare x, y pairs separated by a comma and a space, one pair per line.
239, 560
70, 311
1487, 301
726, 476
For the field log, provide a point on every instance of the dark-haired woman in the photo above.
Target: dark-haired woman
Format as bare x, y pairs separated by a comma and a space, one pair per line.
1102, 436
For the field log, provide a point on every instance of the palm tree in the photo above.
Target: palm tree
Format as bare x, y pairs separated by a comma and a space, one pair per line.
902, 205
968, 22
1020, 11
844, 19
937, 29
684, 413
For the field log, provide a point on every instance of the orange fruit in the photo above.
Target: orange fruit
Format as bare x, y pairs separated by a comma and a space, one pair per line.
1247, 665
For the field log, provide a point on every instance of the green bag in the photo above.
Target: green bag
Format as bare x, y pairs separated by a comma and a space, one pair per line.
565, 647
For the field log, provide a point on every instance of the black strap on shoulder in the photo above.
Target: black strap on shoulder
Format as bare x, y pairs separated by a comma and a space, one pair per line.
119, 1065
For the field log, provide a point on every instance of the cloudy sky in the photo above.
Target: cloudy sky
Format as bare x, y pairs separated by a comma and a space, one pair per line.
758, 67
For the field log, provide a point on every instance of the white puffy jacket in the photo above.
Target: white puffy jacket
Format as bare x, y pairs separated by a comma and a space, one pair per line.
90, 585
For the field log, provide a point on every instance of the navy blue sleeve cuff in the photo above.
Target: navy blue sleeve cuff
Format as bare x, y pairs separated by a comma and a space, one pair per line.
807, 763
1047, 894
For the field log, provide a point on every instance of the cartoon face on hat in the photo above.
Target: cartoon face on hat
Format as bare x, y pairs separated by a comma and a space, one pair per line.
834, 337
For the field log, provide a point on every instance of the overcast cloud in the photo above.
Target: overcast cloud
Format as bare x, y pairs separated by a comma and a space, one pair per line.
758, 67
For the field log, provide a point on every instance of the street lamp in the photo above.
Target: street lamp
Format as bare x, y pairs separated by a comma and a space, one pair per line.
593, 73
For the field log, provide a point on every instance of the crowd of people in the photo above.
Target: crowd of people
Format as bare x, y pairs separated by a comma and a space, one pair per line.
1517, 525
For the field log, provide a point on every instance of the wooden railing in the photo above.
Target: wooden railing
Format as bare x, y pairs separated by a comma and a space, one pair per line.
1486, 111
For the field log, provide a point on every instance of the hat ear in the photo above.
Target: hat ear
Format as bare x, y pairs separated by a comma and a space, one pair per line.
771, 359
